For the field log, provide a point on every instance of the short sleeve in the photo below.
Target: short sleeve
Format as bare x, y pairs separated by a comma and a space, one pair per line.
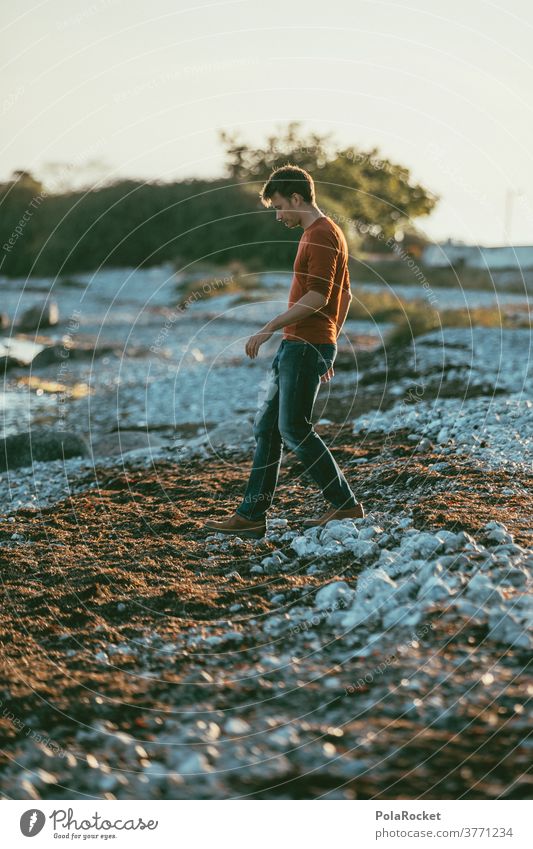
322, 255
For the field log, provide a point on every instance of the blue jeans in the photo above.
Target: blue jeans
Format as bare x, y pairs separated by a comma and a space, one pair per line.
285, 417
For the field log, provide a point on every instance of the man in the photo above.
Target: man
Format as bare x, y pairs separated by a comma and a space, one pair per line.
318, 303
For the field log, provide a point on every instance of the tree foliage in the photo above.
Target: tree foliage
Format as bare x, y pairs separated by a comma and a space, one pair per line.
373, 193
130, 223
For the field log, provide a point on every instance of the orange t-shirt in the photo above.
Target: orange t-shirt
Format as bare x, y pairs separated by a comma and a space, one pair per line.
321, 265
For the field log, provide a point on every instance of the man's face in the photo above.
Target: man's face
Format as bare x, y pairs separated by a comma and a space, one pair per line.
287, 209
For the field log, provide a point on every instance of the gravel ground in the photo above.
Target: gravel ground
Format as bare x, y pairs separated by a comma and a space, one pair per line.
384, 658
381, 658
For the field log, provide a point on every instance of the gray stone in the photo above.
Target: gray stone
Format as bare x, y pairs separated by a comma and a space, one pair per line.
505, 628
481, 589
443, 436
434, 590
370, 532
335, 594
121, 441
229, 433
402, 615
423, 544
271, 564
236, 727
362, 549
359, 614
498, 532
459, 541
282, 738
276, 599
339, 531
430, 569
56, 354
469, 608
39, 316
41, 445
303, 546
515, 577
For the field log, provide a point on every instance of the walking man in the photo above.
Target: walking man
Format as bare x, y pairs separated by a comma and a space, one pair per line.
318, 303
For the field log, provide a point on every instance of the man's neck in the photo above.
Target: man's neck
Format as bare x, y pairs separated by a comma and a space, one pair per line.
310, 216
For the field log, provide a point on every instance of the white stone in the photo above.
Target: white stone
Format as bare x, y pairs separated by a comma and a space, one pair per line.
396, 563
192, 764
333, 547
422, 544
430, 569
404, 615
505, 628
282, 738
445, 536
370, 532
481, 590
404, 523
236, 727
358, 615
362, 549
272, 560
332, 595
338, 531
274, 624
498, 532
304, 546
434, 590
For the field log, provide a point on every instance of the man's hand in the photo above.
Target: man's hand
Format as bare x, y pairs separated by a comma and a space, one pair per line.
255, 342
327, 376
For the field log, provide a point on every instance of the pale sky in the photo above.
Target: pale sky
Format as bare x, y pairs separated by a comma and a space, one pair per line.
440, 86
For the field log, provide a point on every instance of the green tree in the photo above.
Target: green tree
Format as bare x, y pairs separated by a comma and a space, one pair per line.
374, 194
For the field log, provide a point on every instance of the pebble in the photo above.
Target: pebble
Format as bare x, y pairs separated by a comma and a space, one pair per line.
335, 594
498, 532
236, 727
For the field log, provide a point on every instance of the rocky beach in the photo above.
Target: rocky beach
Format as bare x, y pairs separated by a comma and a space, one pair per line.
144, 657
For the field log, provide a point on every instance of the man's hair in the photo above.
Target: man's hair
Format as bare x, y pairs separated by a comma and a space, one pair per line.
287, 180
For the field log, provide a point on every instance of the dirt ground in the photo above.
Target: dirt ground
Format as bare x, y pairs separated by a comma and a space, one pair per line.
130, 557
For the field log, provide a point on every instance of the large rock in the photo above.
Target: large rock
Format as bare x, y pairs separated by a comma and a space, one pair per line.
40, 445
7, 362
54, 354
39, 316
230, 434
122, 441
226, 435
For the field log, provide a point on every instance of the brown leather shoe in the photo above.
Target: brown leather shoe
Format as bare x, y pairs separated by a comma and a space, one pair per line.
236, 524
357, 512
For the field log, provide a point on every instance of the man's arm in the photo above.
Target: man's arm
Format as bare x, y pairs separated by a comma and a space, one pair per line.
344, 306
306, 306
